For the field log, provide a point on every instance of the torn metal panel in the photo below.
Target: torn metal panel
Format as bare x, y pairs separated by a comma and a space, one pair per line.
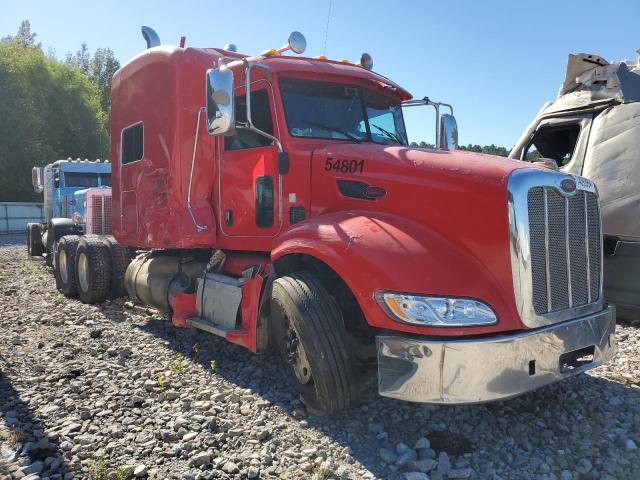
612, 163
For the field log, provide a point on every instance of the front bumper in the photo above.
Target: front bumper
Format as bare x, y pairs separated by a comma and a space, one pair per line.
475, 370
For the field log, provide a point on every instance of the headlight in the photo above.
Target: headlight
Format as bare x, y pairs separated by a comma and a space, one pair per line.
77, 218
436, 311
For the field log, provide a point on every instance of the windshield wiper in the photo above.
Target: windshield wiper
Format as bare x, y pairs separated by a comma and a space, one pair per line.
331, 128
388, 134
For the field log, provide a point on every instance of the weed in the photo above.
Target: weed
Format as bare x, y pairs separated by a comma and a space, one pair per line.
30, 268
196, 348
14, 437
98, 470
178, 365
321, 473
121, 474
162, 387
213, 364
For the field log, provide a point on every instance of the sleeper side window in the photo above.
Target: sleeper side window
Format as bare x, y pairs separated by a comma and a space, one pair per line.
132, 143
557, 142
261, 117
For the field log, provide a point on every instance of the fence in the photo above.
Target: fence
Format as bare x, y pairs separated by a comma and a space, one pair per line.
14, 216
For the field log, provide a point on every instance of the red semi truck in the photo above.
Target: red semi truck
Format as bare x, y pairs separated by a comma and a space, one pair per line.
273, 200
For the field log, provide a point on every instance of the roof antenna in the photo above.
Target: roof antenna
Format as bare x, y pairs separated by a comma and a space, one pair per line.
326, 30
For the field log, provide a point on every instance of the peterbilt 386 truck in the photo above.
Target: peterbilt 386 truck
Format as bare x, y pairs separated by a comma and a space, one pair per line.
593, 129
274, 201
77, 200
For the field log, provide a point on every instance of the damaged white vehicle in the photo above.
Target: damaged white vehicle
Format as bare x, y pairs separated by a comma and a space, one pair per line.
593, 129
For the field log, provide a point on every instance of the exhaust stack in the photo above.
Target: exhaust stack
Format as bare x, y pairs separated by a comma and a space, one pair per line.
150, 36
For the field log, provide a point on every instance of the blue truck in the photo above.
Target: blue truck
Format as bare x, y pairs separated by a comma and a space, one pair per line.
77, 201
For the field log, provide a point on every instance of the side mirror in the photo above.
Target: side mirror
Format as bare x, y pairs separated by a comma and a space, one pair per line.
448, 132
36, 179
220, 106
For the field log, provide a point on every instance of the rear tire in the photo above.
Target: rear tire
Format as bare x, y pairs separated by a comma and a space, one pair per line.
93, 270
120, 260
310, 335
66, 265
34, 240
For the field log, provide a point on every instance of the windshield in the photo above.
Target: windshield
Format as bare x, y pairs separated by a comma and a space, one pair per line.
341, 112
86, 180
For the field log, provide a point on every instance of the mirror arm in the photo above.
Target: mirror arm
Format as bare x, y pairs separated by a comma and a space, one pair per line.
247, 87
436, 106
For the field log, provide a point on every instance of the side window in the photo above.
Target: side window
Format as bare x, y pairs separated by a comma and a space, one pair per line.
132, 143
261, 117
557, 142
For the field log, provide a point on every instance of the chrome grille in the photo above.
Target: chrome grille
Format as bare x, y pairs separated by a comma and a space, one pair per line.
564, 244
101, 214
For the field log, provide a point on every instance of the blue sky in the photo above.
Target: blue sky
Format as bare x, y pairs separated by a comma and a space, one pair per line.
495, 61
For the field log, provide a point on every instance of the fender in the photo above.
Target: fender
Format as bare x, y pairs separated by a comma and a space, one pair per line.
374, 251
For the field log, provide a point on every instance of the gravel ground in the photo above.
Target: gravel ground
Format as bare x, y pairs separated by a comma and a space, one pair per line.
104, 392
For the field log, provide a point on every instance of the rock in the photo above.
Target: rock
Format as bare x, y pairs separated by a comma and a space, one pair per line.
444, 464
416, 476
406, 458
584, 466
402, 447
630, 445
422, 443
566, 475
425, 464
140, 471
230, 468
427, 453
149, 385
202, 458
125, 352
95, 333
387, 455
35, 467
74, 427
460, 473
253, 472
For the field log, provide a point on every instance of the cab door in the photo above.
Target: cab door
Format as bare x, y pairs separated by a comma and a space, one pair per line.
249, 183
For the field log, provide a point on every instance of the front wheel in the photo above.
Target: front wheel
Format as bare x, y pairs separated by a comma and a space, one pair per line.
309, 333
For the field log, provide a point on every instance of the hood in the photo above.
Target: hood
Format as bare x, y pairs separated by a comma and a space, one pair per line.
460, 197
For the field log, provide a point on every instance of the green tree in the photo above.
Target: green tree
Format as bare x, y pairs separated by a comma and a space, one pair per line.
24, 37
49, 111
81, 60
101, 69
488, 149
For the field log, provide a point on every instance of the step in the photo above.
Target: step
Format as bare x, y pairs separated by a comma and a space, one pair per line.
207, 326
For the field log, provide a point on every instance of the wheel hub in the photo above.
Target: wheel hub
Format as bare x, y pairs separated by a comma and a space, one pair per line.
83, 272
297, 357
62, 261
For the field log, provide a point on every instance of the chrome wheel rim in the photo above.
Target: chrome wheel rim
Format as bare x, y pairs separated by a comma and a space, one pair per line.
83, 272
62, 266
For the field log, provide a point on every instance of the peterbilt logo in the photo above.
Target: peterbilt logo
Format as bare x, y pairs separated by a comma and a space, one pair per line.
568, 185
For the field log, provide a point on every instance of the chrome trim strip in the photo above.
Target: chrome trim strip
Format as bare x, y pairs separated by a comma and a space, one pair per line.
566, 242
586, 240
438, 370
519, 183
546, 247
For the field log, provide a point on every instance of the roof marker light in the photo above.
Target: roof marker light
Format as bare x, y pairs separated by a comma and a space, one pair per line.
320, 57
366, 61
